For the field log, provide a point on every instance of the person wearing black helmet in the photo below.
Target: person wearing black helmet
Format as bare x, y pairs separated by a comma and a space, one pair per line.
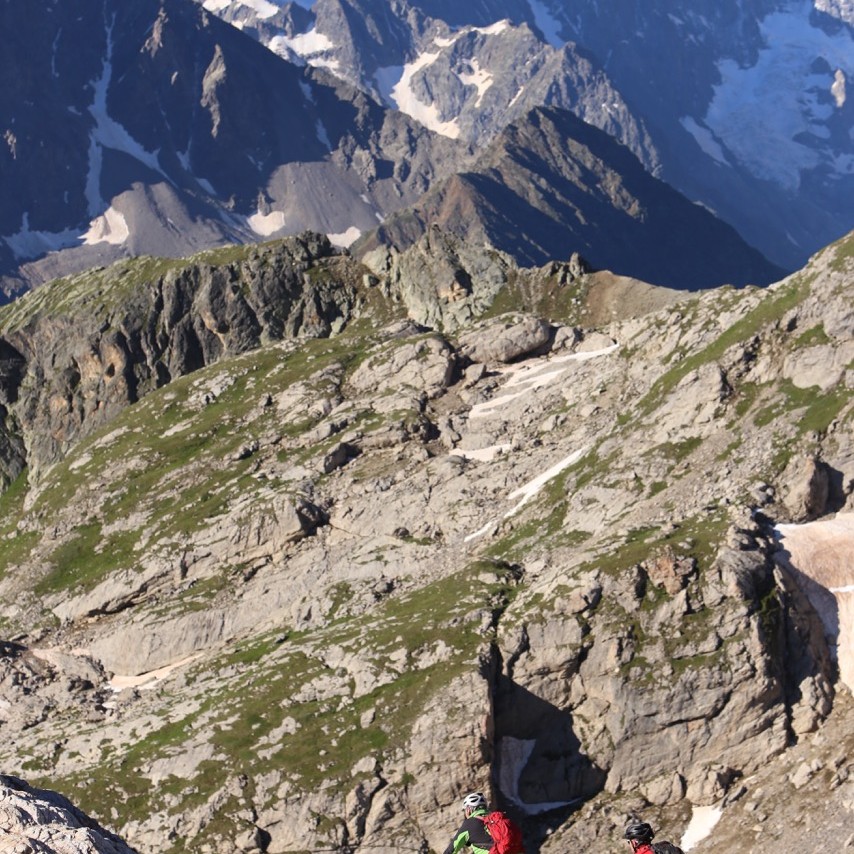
640, 834
472, 831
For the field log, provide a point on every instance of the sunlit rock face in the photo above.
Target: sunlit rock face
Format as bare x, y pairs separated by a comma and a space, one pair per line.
41, 820
325, 540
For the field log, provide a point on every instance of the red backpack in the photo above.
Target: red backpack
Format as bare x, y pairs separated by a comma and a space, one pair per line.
505, 833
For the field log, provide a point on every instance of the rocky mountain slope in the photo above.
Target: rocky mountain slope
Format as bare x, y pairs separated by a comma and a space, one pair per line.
283, 569
156, 128
550, 183
699, 92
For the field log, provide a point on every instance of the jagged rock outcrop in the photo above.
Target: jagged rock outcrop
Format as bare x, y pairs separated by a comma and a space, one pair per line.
43, 822
66, 373
806, 488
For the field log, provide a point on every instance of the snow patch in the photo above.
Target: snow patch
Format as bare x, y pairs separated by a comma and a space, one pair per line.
345, 238
307, 91
111, 227
402, 96
820, 554
334, 65
310, 47
322, 135
705, 139
494, 29
780, 100
146, 681
837, 89
31, 244
394, 83
703, 821
480, 78
513, 756
266, 224
529, 376
534, 375
262, 8
516, 97
216, 5
530, 489
108, 133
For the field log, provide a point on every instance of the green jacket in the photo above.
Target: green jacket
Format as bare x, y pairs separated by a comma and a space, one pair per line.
472, 832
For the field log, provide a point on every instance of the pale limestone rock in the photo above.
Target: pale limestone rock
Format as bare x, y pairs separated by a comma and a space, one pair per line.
424, 365
38, 820
666, 789
805, 488
505, 339
823, 367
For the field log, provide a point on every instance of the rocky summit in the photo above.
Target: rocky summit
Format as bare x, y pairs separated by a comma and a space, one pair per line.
297, 548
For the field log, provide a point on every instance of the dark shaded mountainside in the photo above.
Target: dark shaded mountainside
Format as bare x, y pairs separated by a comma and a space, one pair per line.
283, 570
552, 185
154, 128
745, 109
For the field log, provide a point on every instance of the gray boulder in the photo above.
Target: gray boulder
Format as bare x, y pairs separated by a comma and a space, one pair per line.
44, 822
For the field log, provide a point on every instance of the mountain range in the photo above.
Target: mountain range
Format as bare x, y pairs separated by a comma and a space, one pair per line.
170, 131
162, 131
702, 93
400, 399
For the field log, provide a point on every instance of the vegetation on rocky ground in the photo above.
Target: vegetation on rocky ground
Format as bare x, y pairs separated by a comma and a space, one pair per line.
358, 616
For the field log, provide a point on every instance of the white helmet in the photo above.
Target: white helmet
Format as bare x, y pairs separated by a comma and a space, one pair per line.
474, 801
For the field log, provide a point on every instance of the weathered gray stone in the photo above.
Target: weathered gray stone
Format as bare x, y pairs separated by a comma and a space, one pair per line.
505, 339
805, 486
588, 612
38, 820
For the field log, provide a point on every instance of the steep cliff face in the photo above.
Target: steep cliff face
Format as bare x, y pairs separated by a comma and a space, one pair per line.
335, 581
70, 368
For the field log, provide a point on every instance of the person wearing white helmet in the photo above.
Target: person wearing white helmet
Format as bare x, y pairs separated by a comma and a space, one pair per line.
472, 832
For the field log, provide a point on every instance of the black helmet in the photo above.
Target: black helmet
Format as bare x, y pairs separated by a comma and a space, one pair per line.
640, 831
